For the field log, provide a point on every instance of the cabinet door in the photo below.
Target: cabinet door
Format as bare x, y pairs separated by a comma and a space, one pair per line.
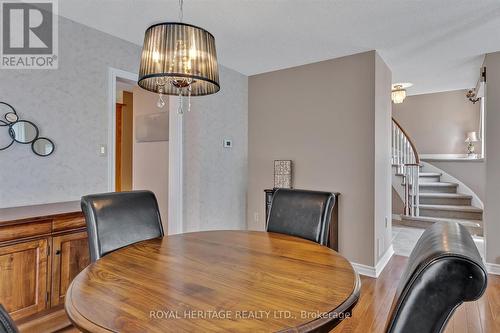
23, 277
70, 255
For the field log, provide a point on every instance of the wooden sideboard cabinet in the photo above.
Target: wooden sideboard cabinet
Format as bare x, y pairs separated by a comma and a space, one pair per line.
42, 248
333, 233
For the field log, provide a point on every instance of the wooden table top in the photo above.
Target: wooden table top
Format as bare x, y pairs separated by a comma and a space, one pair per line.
233, 281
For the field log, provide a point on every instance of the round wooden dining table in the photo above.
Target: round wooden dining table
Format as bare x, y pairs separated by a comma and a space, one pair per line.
232, 281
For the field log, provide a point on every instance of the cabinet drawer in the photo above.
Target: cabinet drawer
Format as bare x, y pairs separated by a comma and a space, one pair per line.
68, 223
25, 230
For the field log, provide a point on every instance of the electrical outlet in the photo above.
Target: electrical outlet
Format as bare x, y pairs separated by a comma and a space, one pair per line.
256, 217
228, 143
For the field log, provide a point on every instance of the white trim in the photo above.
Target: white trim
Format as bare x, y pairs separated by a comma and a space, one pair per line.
374, 272
113, 74
384, 260
493, 268
451, 157
175, 167
397, 217
364, 270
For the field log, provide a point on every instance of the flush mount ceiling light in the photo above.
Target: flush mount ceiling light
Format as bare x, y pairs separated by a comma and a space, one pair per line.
398, 94
179, 59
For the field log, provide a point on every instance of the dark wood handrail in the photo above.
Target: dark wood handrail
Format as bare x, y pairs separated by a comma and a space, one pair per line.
417, 158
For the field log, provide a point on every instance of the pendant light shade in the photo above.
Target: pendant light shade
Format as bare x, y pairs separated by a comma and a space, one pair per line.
179, 59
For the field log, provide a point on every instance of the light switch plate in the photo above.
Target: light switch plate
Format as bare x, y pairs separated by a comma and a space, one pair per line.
102, 150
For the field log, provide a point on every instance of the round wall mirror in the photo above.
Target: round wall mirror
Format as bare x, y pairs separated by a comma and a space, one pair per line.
7, 109
11, 117
42, 147
23, 131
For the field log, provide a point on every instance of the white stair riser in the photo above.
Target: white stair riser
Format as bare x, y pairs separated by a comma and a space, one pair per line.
446, 201
451, 214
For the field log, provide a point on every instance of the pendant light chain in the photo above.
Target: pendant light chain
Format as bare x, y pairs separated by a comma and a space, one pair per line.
181, 10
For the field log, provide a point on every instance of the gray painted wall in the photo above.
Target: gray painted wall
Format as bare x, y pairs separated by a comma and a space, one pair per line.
70, 106
492, 132
215, 178
328, 130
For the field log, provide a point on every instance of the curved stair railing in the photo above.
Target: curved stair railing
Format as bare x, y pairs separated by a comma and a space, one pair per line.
407, 162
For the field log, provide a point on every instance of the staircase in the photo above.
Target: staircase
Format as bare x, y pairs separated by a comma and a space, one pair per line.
428, 199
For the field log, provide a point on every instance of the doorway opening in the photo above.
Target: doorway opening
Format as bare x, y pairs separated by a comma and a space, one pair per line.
124, 124
139, 154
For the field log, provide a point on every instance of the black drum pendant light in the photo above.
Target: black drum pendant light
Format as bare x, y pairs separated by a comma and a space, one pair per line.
179, 59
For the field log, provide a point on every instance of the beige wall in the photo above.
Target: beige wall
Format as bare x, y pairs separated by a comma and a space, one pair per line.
127, 140
150, 167
492, 131
398, 206
383, 175
438, 122
323, 116
471, 173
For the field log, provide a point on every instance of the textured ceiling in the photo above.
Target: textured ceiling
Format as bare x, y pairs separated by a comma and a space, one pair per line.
437, 45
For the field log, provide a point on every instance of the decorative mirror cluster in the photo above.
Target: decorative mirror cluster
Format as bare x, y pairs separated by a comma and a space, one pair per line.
22, 131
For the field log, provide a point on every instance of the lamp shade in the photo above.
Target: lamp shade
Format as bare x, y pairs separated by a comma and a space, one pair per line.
471, 137
177, 56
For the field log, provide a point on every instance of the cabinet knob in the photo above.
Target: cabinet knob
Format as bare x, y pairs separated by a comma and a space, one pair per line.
58, 252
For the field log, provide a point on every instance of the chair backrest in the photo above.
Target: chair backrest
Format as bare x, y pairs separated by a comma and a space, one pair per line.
117, 219
301, 213
444, 270
6, 323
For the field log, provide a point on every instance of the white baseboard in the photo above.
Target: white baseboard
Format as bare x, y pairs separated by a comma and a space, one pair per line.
374, 272
379, 267
364, 270
492, 268
396, 217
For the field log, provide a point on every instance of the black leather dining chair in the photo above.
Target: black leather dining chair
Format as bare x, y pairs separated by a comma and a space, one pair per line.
6, 323
117, 219
301, 213
444, 270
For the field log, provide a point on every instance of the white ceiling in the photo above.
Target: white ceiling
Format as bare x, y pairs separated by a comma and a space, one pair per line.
437, 45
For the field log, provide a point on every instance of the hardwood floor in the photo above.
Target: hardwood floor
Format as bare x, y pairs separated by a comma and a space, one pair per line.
371, 313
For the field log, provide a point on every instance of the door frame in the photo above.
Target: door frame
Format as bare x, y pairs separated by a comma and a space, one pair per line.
175, 151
